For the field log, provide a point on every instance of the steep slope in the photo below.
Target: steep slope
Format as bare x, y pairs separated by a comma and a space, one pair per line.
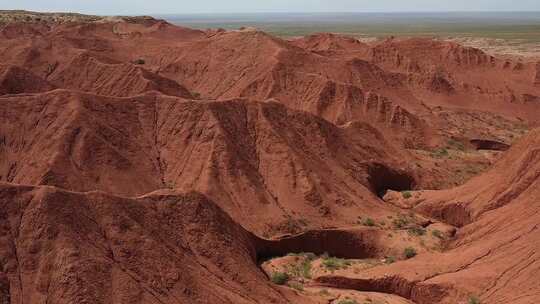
514, 174
102, 57
447, 74
16, 80
328, 44
493, 257
421, 53
67, 247
536, 80
88, 74
135, 153
255, 65
257, 160
60, 138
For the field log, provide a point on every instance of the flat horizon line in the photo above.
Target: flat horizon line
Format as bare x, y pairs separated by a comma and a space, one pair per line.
343, 12
276, 12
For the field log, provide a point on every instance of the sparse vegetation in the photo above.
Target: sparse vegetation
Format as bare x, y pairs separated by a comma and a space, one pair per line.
347, 301
306, 269
409, 252
302, 269
474, 300
437, 233
332, 263
368, 222
418, 231
139, 61
452, 143
406, 194
279, 278
297, 286
196, 95
390, 260
440, 153
324, 292
400, 222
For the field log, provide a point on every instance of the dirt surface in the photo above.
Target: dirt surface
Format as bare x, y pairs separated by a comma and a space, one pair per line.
142, 162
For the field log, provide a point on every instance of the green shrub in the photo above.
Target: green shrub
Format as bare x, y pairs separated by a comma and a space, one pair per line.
306, 269
332, 263
474, 300
452, 143
324, 292
406, 194
279, 278
302, 270
419, 231
437, 233
296, 286
139, 61
368, 222
440, 153
409, 252
347, 301
390, 260
400, 222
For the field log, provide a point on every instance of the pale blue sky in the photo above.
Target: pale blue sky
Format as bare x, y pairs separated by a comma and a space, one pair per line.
111, 7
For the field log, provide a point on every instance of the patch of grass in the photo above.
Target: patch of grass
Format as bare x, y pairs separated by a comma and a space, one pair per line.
440, 153
400, 222
390, 260
279, 278
438, 234
409, 252
296, 286
332, 263
368, 222
304, 269
452, 143
347, 301
308, 255
474, 300
406, 194
418, 231
324, 292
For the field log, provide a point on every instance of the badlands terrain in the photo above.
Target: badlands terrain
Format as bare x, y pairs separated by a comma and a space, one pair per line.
144, 162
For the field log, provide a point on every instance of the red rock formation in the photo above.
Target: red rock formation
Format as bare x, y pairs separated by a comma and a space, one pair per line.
251, 158
537, 74
16, 80
134, 154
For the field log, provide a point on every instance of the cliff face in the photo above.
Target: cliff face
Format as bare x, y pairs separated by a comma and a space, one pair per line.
537, 75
